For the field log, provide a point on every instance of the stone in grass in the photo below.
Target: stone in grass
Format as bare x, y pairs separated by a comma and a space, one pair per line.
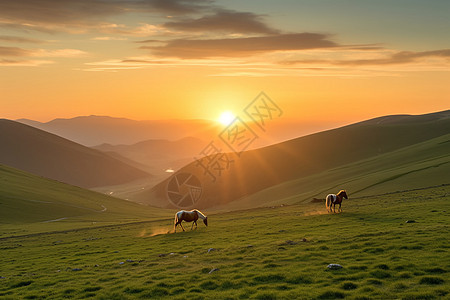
162, 254
289, 242
1, 277
129, 260
334, 266
121, 263
77, 269
211, 249
410, 221
213, 270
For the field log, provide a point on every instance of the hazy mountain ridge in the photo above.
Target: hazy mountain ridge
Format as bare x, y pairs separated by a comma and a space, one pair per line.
96, 130
156, 156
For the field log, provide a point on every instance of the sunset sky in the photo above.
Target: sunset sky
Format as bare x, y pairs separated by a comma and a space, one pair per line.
158, 59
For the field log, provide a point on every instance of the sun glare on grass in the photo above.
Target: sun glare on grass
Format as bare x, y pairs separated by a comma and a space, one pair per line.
226, 118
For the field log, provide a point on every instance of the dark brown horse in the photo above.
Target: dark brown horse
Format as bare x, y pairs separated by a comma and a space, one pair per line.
189, 216
333, 199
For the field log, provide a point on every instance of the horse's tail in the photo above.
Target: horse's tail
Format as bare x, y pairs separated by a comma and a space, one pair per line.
175, 222
328, 202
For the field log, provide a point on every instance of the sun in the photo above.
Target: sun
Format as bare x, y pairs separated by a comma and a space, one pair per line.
226, 118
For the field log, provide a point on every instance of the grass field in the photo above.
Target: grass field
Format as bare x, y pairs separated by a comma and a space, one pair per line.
267, 253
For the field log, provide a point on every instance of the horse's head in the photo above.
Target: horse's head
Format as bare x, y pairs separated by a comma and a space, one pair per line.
205, 221
343, 194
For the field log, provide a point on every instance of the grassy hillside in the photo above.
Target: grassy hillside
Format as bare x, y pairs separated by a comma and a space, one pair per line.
421, 165
300, 158
29, 203
268, 253
45, 154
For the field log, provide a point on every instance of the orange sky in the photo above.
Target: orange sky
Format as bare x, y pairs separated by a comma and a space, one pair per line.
197, 59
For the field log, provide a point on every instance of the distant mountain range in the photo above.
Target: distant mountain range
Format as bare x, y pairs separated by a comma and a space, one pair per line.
96, 130
350, 147
157, 156
48, 155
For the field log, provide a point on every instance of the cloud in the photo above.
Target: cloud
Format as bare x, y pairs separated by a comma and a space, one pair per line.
240, 47
16, 51
108, 38
59, 53
78, 16
401, 57
224, 21
23, 63
58, 12
174, 6
17, 39
143, 30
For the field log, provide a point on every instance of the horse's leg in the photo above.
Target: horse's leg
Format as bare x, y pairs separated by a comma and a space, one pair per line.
192, 225
340, 209
182, 226
334, 207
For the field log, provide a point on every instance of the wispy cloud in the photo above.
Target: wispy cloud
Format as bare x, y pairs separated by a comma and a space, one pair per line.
23, 63
400, 57
16, 51
18, 39
108, 38
240, 47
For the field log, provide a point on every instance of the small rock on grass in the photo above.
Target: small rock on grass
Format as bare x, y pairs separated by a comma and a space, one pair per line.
211, 249
213, 270
1, 277
410, 221
77, 269
334, 266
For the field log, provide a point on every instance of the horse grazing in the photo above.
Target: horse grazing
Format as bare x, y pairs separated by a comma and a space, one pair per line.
189, 216
333, 199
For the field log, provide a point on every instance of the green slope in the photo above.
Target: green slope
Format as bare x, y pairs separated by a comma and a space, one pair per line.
51, 205
307, 156
45, 154
422, 165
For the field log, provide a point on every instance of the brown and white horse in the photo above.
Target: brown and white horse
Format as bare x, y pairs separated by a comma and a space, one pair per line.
189, 216
333, 199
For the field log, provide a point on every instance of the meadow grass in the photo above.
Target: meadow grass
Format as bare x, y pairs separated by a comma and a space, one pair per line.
277, 252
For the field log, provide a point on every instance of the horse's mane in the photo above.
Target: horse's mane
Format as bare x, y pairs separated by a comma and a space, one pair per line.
200, 213
341, 191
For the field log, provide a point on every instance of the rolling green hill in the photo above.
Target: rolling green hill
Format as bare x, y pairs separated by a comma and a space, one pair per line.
300, 158
46, 204
45, 154
421, 165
